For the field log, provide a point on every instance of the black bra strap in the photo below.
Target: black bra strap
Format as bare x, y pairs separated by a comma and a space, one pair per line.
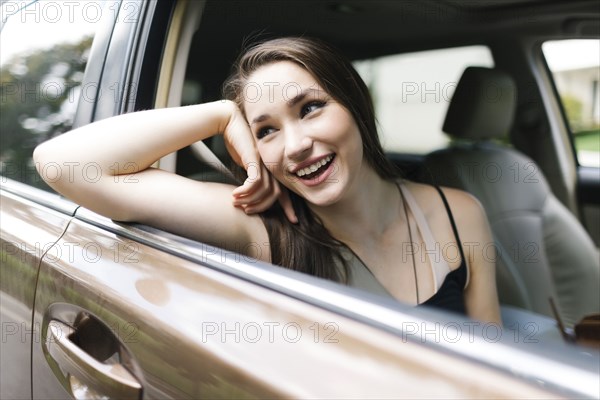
451, 218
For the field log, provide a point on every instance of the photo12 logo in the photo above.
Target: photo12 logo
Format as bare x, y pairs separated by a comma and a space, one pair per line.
88, 11
268, 331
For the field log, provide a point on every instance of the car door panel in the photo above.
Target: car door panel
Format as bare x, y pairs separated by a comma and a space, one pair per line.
28, 229
186, 330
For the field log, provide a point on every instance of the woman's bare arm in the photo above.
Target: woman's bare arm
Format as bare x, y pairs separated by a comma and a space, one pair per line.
106, 167
481, 295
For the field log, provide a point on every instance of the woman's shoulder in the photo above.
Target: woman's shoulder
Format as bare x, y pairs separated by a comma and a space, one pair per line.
466, 211
462, 204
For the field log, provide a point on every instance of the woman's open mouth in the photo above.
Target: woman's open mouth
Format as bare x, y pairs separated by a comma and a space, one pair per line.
315, 173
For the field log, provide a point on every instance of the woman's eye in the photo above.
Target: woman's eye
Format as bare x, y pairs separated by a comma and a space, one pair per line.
262, 132
310, 107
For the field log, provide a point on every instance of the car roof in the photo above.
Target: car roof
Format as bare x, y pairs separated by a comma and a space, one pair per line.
365, 29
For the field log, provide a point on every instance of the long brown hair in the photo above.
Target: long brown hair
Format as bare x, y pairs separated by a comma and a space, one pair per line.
308, 246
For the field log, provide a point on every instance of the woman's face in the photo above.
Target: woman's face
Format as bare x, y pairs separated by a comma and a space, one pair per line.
309, 141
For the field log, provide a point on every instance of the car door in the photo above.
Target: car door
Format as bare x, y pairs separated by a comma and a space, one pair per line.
41, 68
31, 224
128, 311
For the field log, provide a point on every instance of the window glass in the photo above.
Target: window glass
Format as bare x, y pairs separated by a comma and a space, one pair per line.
411, 93
45, 45
575, 66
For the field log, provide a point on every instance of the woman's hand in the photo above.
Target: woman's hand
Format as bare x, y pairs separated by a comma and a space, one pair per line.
260, 190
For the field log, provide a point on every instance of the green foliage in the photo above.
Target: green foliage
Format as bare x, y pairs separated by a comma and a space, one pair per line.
574, 110
37, 102
588, 140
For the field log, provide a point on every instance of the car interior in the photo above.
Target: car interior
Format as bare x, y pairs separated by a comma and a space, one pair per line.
555, 256
522, 210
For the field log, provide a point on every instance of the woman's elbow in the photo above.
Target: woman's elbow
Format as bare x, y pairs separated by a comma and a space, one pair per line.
55, 166
44, 160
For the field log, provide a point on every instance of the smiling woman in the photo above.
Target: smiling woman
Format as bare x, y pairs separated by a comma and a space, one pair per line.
319, 191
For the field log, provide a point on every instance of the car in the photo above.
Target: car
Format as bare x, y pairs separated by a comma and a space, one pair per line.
94, 308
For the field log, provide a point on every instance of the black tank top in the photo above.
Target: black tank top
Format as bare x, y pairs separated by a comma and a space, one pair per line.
450, 296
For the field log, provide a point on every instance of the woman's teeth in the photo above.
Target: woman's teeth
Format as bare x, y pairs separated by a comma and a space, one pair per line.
314, 167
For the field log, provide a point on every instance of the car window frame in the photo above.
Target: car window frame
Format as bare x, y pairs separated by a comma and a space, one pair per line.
582, 180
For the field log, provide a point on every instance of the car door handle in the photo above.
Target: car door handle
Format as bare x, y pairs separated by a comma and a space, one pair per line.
87, 377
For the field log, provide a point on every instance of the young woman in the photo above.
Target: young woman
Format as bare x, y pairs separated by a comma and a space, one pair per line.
320, 196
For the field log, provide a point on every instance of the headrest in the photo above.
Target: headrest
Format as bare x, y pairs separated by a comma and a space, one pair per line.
483, 105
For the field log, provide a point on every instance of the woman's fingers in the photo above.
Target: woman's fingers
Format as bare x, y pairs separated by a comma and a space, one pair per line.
257, 190
253, 188
258, 195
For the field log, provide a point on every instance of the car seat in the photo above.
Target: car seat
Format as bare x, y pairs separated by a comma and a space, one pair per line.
542, 250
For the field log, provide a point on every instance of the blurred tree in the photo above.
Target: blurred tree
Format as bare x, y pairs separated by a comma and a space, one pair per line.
38, 98
574, 110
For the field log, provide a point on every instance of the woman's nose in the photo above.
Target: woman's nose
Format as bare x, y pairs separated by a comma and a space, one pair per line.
297, 144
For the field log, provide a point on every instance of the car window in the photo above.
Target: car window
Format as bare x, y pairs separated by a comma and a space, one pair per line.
575, 67
411, 93
45, 46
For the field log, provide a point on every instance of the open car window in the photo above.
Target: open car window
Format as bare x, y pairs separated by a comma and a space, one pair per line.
575, 67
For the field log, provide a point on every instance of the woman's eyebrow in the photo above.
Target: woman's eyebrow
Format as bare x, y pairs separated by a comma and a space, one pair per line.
290, 103
300, 96
260, 118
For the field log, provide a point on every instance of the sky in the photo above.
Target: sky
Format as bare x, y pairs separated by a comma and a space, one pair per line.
571, 54
47, 24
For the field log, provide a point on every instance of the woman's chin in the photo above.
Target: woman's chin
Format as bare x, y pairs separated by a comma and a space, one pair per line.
322, 198
322, 194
